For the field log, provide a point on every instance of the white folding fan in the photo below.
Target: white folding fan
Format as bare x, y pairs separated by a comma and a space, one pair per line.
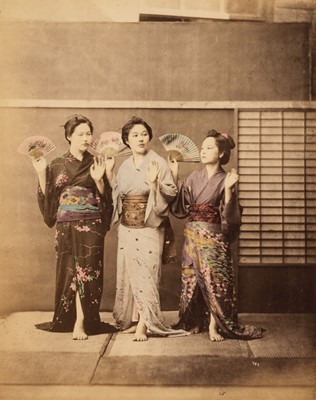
36, 146
180, 147
109, 144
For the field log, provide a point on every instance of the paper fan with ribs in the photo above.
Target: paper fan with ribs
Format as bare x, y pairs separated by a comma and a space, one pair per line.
109, 144
36, 146
180, 147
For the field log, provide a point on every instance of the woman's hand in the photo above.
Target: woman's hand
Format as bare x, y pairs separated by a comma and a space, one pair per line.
231, 179
97, 169
109, 164
109, 167
39, 165
152, 172
174, 167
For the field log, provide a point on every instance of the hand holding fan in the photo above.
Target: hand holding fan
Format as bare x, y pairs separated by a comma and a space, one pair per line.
36, 146
180, 147
109, 144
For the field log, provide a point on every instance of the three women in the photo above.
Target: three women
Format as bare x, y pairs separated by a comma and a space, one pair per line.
75, 192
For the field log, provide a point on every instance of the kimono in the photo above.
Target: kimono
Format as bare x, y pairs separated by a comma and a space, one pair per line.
143, 214
82, 216
207, 269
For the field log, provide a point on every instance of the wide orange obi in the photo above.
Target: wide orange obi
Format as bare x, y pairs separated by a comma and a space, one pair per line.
133, 211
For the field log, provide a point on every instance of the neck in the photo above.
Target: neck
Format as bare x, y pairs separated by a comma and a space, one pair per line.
138, 158
77, 153
211, 169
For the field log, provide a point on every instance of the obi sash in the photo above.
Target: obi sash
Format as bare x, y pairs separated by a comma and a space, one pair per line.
204, 213
133, 211
77, 203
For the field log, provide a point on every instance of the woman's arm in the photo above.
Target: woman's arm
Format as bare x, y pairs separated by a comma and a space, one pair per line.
231, 179
40, 166
174, 168
109, 168
97, 171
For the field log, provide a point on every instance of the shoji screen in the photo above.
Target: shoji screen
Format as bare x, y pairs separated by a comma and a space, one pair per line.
277, 167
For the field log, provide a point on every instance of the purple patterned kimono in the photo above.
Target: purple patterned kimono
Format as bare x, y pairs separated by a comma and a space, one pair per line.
82, 217
207, 270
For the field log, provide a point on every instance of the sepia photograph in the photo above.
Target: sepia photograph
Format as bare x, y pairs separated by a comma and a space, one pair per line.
158, 235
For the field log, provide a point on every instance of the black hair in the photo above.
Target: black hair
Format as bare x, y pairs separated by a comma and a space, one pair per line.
130, 124
224, 142
73, 122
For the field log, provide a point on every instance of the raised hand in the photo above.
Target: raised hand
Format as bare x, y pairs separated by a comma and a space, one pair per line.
174, 167
39, 164
152, 172
231, 179
109, 164
97, 169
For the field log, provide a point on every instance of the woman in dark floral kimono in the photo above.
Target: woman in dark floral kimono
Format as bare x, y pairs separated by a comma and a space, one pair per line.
75, 194
209, 199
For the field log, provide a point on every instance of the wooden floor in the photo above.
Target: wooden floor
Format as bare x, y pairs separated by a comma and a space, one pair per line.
42, 365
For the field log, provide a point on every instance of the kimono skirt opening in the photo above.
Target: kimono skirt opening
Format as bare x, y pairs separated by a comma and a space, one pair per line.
79, 245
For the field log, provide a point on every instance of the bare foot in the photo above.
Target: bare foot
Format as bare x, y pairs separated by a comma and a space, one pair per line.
79, 333
214, 335
141, 332
131, 329
195, 329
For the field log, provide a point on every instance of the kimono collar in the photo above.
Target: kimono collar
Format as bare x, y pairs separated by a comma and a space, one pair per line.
219, 171
145, 160
86, 157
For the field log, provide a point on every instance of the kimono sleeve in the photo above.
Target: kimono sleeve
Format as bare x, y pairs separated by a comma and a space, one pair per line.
106, 205
48, 202
181, 205
159, 200
116, 199
231, 214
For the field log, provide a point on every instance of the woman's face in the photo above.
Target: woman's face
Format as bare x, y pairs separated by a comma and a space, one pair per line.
138, 139
81, 137
209, 151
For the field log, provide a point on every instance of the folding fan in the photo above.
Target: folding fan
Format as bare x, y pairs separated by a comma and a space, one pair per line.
36, 146
109, 144
180, 147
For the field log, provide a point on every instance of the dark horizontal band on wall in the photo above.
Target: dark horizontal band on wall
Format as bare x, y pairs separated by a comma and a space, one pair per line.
118, 104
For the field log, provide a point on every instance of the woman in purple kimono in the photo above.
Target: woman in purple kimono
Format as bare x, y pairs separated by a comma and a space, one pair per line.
208, 198
75, 194
142, 191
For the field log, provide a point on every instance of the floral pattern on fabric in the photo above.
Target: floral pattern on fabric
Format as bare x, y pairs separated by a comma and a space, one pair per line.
207, 269
79, 239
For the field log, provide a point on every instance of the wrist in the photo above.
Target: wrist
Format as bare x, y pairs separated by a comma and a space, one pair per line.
41, 173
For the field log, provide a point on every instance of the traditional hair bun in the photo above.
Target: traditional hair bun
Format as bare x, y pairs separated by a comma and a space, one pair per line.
229, 139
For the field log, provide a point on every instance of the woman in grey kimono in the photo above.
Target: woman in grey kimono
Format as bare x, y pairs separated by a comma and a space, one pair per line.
142, 191
209, 199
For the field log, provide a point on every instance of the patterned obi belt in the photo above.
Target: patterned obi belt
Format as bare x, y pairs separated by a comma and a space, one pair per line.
77, 203
133, 212
205, 213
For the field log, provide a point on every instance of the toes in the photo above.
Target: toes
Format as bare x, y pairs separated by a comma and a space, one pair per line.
140, 339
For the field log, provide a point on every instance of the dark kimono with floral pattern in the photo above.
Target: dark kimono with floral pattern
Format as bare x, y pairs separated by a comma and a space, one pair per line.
82, 216
207, 269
